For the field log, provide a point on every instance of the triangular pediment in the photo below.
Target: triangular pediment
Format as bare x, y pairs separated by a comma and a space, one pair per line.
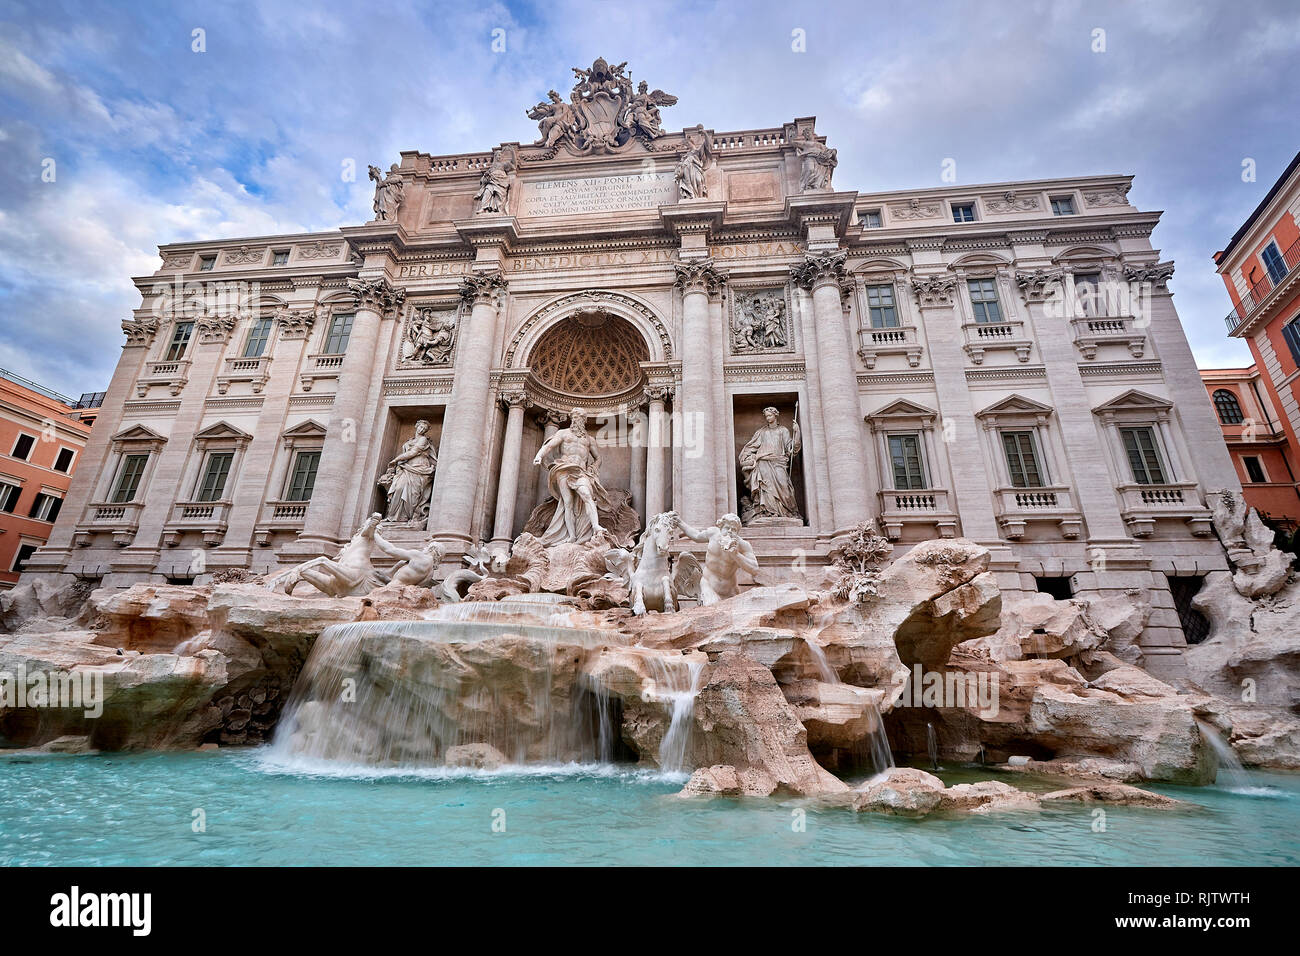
138, 433
1134, 400
1015, 405
223, 431
902, 408
308, 429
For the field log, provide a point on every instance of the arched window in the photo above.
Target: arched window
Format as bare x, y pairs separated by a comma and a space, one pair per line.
1226, 404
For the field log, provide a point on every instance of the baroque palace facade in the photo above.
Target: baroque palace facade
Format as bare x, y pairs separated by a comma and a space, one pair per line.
998, 362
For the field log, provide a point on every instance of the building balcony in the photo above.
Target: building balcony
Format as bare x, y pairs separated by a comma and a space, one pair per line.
1093, 331
319, 367
982, 337
120, 520
900, 340
927, 507
172, 375
256, 371
1018, 506
207, 517
1256, 295
280, 516
1143, 505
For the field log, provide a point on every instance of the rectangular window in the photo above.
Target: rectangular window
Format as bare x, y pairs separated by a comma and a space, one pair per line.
963, 212
336, 342
1087, 289
280, 257
214, 476
25, 551
207, 263
9, 495
23, 447
258, 336
1022, 460
303, 476
984, 300
880, 304
1143, 455
1291, 333
870, 219
128, 479
1274, 263
45, 507
180, 341
63, 462
905, 456
1254, 470
1062, 206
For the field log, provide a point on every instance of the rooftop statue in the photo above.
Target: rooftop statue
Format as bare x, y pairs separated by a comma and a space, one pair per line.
494, 187
603, 114
390, 189
818, 161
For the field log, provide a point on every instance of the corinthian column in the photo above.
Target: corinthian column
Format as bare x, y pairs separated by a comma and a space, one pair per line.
655, 444
700, 282
508, 485
841, 411
376, 300
464, 431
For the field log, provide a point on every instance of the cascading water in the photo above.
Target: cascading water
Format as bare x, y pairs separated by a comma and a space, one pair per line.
932, 746
1239, 780
875, 747
680, 686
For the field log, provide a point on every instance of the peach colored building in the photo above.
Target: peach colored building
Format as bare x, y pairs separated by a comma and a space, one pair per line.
1264, 458
1261, 269
42, 435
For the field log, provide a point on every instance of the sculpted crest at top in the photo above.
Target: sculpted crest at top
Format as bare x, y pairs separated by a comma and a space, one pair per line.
603, 114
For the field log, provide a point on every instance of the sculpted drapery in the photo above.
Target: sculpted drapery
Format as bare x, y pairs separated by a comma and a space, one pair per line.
765, 463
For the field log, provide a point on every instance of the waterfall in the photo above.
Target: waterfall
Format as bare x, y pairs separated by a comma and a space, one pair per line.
875, 746
680, 686
1239, 780
825, 673
932, 746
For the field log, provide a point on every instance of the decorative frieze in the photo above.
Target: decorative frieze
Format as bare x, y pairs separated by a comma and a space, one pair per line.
320, 249
430, 335
246, 255
1009, 202
760, 322
915, 209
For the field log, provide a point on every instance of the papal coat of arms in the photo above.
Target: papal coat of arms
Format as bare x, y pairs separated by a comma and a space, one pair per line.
603, 114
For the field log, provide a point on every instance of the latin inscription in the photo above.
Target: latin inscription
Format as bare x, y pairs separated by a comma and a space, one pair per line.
591, 194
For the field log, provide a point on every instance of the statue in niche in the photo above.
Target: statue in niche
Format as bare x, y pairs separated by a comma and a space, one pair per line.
432, 335
494, 187
390, 189
574, 481
759, 325
726, 556
690, 168
555, 119
765, 462
642, 114
818, 160
409, 478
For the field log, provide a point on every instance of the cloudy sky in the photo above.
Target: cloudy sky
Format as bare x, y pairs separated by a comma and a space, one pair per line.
153, 142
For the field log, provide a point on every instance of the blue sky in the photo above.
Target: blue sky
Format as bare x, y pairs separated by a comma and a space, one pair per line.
154, 143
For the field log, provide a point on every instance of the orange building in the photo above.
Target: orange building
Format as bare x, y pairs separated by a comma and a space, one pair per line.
42, 434
1256, 442
1261, 269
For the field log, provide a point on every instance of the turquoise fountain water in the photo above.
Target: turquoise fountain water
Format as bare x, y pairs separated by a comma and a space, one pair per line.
139, 810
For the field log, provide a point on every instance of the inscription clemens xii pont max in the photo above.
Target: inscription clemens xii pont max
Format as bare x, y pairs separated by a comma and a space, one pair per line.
591, 194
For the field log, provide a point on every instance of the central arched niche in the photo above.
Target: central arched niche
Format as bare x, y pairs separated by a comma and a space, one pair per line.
591, 355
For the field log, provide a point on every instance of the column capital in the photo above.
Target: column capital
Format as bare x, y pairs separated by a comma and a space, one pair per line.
934, 291
1158, 274
821, 268
295, 325
658, 393
700, 275
214, 328
139, 332
515, 398
1040, 285
377, 295
483, 288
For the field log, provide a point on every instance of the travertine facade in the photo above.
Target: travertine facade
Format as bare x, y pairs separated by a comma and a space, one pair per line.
1002, 362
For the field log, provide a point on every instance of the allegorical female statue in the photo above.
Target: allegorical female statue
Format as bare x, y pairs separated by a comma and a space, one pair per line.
409, 478
765, 463
817, 160
494, 187
690, 168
